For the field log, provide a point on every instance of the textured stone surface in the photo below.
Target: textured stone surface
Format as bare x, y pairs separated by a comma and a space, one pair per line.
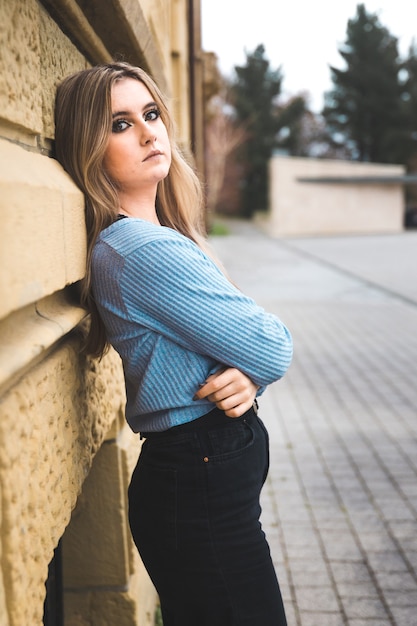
59, 53
96, 554
104, 609
32, 45
27, 334
4, 619
20, 84
102, 557
51, 426
43, 243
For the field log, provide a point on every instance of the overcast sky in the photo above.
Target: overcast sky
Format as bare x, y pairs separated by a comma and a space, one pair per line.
301, 37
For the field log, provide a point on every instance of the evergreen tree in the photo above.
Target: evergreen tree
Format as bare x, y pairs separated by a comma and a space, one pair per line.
254, 90
363, 110
409, 106
410, 138
291, 118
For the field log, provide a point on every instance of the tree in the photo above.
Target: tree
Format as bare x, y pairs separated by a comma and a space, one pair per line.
409, 106
295, 132
409, 76
363, 110
248, 123
254, 90
222, 135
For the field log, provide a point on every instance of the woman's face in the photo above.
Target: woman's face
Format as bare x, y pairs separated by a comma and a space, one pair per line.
138, 154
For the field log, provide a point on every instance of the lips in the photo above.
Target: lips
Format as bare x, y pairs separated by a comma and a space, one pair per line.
154, 153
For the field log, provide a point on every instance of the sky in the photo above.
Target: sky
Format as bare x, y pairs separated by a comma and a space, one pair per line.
301, 37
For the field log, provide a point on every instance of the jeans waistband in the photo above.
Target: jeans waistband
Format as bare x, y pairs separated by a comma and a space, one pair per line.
215, 418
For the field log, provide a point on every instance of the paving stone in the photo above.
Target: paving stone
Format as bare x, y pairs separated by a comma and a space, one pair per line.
404, 616
377, 541
386, 561
412, 558
290, 613
320, 619
350, 572
303, 578
394, 580
401, 598
364, 608
372, 622
357, 590
308, 566
321, 599
340, 547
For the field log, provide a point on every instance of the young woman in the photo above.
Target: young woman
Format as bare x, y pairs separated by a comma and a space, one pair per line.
195, 352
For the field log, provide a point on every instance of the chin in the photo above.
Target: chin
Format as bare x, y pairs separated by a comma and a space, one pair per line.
163, 173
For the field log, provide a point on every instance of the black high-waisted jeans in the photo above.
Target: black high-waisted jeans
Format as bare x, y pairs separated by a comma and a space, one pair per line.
194, 515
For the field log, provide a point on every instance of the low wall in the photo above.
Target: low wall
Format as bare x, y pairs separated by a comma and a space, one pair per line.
325, 197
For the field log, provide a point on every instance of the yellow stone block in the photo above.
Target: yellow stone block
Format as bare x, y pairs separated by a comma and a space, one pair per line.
106, 608
4, 618
59, 58
42, 240
35, 55
20, 64
95, 550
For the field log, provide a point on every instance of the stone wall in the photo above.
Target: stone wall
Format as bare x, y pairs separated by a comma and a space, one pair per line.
66, 452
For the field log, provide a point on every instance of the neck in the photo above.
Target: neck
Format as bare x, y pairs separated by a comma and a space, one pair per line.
142, 208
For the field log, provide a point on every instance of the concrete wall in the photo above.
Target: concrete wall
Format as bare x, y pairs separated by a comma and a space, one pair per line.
66, 453
356, 202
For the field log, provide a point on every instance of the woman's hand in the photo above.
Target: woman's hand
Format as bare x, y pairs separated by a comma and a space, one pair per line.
230, 390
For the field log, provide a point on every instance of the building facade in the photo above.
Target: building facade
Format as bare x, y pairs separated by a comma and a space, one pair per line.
66, 452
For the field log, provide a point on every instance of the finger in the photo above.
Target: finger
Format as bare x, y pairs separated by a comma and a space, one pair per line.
216, 384
228, 393
239, 410
229, 402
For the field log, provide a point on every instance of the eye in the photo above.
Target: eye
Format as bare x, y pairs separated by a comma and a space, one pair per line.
119, 126
152, 115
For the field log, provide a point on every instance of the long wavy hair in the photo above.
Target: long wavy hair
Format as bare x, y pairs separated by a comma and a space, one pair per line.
83, 122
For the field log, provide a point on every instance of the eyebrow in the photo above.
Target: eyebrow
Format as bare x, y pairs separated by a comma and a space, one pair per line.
150, 105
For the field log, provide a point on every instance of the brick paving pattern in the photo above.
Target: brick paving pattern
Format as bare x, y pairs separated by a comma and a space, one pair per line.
340, 503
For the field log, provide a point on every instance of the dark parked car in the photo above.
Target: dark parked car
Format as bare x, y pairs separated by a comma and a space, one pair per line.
410, 220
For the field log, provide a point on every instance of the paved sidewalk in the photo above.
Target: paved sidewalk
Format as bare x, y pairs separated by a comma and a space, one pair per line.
340, 503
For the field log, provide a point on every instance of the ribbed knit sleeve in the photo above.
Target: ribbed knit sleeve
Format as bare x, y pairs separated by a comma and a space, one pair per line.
171, 286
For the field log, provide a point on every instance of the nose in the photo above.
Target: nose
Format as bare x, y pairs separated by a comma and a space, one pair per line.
147, 134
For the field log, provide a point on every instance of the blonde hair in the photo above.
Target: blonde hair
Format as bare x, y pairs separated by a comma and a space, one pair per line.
83, 121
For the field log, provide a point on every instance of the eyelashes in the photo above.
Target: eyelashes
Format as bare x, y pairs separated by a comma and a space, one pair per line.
120, 125
152, 115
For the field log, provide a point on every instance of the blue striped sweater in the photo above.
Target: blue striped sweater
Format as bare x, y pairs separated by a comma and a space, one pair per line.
174, 318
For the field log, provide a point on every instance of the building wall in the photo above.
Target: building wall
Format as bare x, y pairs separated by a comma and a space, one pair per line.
66, 452
360, 199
